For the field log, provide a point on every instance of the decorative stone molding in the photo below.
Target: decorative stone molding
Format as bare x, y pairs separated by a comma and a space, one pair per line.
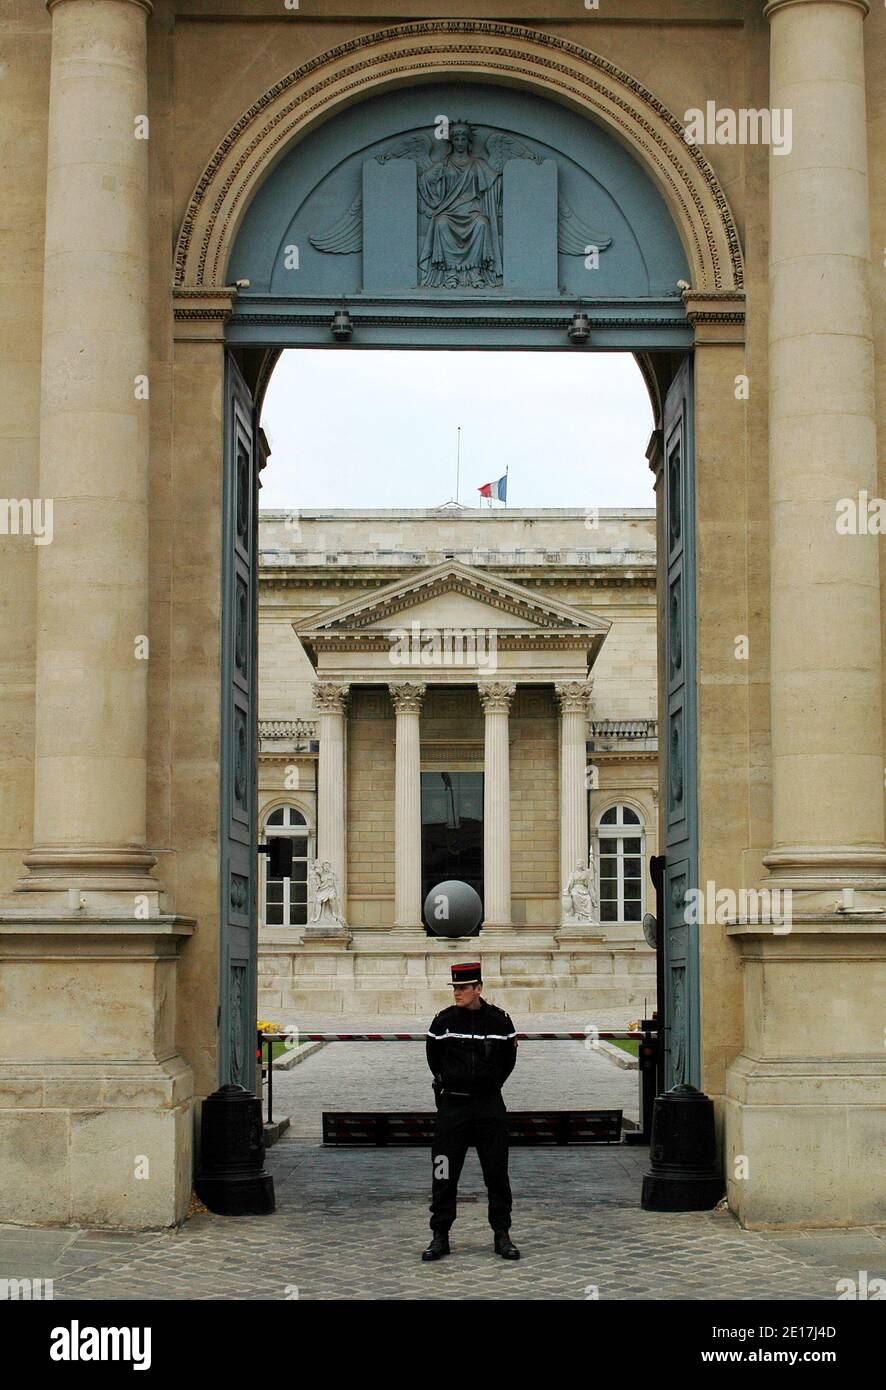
91, 868
830, 867
140, 4
272, 318
202, 313
510, 642
447, 752
368, 64
287, 728
496, 696
455, 578
330, 697
775, 5
406, 696
624, 728
574, 696
367, 624
717, 317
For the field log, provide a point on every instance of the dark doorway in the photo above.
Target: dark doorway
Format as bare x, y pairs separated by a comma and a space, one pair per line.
451, 829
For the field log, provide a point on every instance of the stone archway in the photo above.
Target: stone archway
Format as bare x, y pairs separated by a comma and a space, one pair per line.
533, 65
500, 53
790, 771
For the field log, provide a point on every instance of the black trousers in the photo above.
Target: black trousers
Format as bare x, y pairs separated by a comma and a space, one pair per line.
478, 1120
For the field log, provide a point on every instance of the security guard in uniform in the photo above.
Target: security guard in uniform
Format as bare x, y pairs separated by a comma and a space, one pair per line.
471, 1049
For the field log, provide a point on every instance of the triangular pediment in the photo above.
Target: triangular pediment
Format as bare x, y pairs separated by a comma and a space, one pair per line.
448, 595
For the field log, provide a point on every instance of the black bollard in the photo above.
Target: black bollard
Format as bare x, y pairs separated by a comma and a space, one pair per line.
232, 1180
683, 1174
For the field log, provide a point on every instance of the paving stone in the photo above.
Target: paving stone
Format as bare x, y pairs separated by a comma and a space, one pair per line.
351, 1224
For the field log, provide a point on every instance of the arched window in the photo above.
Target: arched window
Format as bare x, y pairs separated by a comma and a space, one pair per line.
286, 899
620, 857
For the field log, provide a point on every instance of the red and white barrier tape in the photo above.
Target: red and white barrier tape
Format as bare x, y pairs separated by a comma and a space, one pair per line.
579, 1036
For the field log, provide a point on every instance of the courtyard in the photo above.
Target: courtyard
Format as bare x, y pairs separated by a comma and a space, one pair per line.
351, 1224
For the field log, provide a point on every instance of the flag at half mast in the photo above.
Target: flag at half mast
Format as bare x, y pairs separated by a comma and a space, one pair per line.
498, 489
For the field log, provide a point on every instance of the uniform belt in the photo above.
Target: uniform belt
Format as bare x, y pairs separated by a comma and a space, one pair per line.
467, 1095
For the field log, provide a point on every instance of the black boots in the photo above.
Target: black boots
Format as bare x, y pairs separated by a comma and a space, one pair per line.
505, 1247
438, 1247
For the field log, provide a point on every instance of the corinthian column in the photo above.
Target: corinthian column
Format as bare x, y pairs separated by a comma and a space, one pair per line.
827, 746
92, 604
407, 698
574, 699
330, 701
495, 697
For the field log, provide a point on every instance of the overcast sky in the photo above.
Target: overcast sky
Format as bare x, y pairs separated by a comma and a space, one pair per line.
379, 428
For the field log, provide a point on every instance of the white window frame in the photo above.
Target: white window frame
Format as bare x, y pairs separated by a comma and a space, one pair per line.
619, 830
301, 831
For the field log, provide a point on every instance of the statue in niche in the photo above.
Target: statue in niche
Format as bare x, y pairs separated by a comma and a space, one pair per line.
460, 209
324, 891
581, 897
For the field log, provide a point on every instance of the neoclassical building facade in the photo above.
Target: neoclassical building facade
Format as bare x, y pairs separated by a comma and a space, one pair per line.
458, 694
192, 186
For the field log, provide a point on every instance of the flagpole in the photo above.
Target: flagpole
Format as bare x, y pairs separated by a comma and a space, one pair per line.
457, 461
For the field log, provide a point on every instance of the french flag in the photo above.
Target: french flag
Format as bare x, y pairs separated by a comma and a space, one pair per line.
498, 489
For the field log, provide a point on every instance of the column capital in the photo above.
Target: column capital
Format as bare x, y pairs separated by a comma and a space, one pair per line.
774, 5
330, 697
140, 4
496, 696
406, 696
574, 696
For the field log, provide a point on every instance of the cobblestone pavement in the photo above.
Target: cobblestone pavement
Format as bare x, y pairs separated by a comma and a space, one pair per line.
351, 1224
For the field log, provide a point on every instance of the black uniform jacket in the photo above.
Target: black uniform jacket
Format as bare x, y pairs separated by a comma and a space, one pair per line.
472, 1050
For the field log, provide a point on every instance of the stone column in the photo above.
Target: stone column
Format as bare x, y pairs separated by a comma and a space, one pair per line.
330, 701
92, 618
91, 1082
574, 699
407, 697
827, 743
495, 697
807, 1093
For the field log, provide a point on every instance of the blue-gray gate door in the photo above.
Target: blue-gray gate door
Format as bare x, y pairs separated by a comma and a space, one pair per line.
237, 879
681, 981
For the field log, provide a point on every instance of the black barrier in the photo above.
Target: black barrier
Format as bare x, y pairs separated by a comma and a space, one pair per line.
648, 1056
415, 1128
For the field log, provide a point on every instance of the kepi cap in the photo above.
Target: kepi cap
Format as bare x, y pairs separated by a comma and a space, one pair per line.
468, 974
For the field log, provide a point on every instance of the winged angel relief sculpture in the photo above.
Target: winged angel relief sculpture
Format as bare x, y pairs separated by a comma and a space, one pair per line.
460, 209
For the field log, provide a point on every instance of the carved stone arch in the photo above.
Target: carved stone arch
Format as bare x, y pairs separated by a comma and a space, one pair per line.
505, 54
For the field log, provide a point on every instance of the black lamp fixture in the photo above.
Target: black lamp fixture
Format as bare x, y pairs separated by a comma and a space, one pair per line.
341, 325
579, 329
